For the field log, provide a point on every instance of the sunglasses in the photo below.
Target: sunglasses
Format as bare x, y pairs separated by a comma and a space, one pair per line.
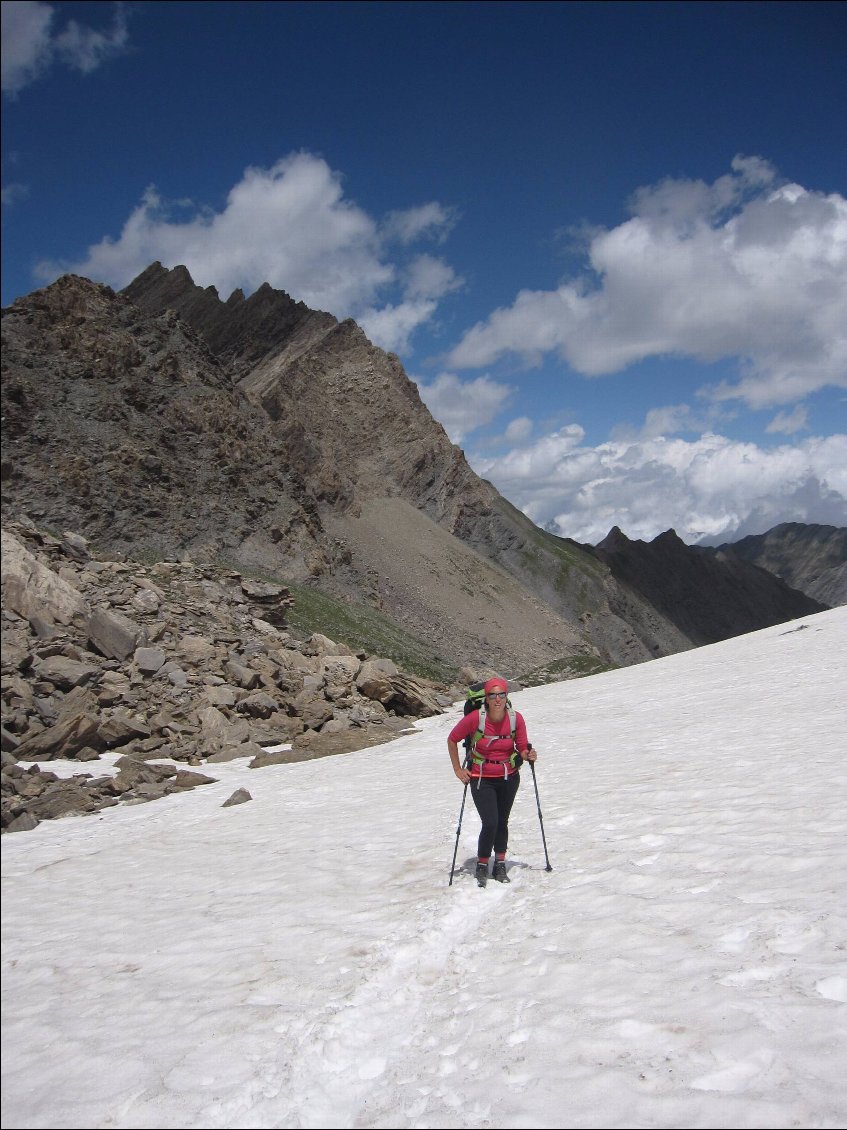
497, 694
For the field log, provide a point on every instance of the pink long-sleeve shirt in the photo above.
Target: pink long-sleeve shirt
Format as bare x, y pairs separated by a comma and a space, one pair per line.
495, 746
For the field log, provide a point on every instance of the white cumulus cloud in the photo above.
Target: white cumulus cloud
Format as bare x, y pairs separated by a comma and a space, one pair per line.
31, 45
712, 488
744, 268
518, 430
424, 282
27, 45
289, 225
787, 423
410, 224
462, 406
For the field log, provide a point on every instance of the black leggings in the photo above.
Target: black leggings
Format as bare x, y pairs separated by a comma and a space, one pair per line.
494, 797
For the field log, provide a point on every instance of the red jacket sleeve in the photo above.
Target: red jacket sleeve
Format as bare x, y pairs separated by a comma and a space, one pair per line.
464, 727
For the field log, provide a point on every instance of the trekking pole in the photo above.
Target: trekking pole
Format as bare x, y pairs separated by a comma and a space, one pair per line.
540, 817
458, 831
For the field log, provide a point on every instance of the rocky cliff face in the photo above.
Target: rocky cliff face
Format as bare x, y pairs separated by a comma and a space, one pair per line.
811, 558
128, 429
165, 422
710, 595
389, 484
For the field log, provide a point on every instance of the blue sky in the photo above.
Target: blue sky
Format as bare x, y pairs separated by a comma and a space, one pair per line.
609, 241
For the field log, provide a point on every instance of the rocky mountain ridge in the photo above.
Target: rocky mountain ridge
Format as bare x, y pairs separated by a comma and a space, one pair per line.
255, 433
809, 557
299, 346
673, 577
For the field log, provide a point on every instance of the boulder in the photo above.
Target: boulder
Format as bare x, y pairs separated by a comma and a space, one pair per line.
113, 634
374, 679
258, 705
30, 588
313, 708
146, 601
412, 696
71, 733
217, 732
148, 660
231, 752
76, 546
318, 644
339, 670
132, 772
223, 695
65, 798
66, 673
120, 728
187, 779
242, 676
240, 796
196, 649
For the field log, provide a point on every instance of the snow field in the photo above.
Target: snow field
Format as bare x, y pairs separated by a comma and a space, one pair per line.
300, 961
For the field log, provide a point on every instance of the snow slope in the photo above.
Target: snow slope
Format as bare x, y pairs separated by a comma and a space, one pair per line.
300, 960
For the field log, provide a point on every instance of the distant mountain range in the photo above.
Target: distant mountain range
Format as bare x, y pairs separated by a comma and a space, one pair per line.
165, 422
810, 558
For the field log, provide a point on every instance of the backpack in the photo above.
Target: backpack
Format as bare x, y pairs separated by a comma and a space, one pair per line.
475, 700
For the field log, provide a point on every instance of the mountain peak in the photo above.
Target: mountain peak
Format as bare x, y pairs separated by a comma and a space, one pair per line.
277, 437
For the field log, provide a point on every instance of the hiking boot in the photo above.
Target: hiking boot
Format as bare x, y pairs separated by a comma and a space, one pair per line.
482, 874
500, 872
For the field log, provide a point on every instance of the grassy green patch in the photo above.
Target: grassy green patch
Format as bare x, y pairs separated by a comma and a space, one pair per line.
364, 628
361, 626
568, 667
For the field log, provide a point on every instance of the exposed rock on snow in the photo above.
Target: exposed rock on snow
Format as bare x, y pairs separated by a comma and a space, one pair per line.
167, 661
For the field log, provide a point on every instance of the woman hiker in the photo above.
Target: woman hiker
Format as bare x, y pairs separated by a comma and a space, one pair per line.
498, 747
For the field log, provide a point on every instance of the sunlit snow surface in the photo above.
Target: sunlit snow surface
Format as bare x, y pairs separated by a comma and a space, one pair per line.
300, 960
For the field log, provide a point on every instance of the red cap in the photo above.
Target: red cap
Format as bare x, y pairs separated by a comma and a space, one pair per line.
496, 685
